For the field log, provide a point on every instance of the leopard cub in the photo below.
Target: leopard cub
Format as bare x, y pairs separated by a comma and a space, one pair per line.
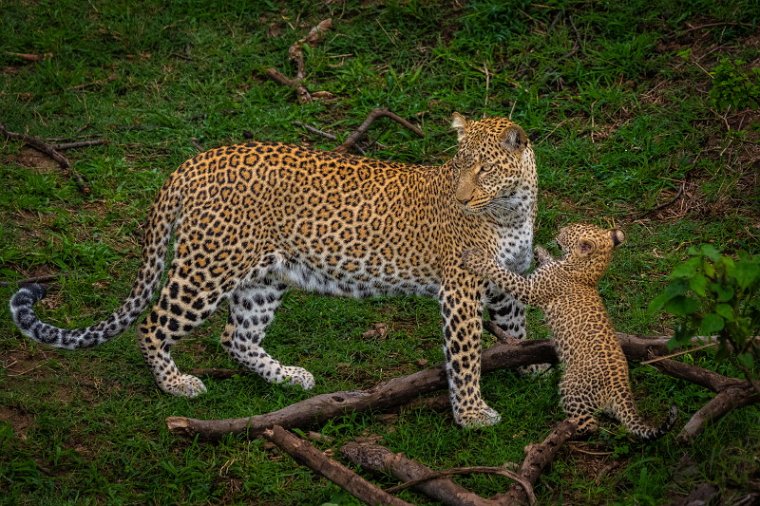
596, 371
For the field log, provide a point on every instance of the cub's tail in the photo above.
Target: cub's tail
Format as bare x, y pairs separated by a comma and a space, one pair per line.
161, 221
636, 425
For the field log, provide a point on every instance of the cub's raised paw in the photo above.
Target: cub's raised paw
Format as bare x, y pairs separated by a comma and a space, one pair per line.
475, 418
299, 376
184, 385
542, 256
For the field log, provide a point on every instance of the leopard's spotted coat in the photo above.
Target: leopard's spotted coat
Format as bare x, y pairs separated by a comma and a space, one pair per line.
253, 219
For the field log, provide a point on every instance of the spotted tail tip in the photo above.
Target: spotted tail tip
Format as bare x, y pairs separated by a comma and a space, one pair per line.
28, 295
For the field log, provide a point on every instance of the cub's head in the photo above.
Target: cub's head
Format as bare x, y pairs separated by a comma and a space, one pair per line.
494, 168
588, 250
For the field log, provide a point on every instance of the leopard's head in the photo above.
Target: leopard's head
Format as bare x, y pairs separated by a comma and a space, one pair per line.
494, 167
588, 250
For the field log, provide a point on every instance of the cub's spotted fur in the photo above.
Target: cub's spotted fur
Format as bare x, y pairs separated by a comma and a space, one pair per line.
596, 372
253, 219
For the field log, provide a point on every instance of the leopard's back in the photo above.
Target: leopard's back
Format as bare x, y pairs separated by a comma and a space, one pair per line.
321, 221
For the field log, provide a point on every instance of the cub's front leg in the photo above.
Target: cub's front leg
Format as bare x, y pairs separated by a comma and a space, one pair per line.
460, 297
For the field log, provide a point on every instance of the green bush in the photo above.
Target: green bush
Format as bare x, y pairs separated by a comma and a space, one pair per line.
711, 293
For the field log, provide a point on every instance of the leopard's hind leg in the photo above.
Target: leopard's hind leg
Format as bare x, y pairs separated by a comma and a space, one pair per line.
252, 309
181, 307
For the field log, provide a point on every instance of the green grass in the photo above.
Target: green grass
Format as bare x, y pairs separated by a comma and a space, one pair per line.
617, 96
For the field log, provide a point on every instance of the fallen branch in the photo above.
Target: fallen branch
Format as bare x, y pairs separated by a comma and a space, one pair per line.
537, 458
48, 150
28, 281
732, 397
315, 130
295, 84
313, 38
380, 459
399, 391
392, 393
78, 144
377, 113
306, 454
296, 54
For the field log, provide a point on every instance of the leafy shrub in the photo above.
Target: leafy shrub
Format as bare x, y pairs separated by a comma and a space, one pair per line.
711, 293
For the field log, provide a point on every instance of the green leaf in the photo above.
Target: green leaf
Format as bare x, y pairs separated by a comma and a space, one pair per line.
674, 289
698, 283
724, 293
680, 305
686, 269
711, 324
746, 360
725, 311
709, 269
710, 252
746, 274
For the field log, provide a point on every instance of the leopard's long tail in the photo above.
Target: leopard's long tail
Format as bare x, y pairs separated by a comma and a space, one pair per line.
161, 220
639, 427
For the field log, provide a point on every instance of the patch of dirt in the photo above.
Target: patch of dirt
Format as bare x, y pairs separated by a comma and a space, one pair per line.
30, 157
17, 419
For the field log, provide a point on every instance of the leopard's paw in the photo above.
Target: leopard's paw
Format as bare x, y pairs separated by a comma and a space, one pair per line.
184, 385
477, 417
298, 376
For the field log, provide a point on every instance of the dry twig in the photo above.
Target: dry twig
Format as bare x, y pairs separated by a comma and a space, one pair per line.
296, 54
48, 150
304, 453
380, 459
537, 458
35, 279
371, 117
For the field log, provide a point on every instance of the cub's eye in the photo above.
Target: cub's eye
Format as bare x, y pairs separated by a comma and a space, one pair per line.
487, 167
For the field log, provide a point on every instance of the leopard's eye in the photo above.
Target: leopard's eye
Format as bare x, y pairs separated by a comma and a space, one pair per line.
487, 167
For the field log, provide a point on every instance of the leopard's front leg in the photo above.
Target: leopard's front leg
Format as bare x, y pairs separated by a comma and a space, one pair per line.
461, 308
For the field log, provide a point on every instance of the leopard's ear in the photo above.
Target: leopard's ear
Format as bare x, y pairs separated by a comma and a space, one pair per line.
585, 247
515, 139
459, 123
617, 237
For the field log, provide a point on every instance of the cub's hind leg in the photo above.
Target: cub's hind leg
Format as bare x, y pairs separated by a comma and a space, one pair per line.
579, 401
180, 308
252, 309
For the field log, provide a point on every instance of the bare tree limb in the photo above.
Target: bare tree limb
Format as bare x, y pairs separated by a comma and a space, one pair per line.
35, 279
380, 459
306, 454
732, 397
296, 54
703, 377
48, 150
377, 113
315, 130
313, 38
537, 458
78, 144
400, 391
394, 392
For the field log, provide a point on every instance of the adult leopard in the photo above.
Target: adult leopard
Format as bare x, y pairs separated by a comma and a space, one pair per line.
253, 219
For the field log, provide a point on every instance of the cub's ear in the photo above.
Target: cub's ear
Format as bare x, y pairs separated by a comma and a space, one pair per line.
585, 247
617, 237
515, 139
459, 123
